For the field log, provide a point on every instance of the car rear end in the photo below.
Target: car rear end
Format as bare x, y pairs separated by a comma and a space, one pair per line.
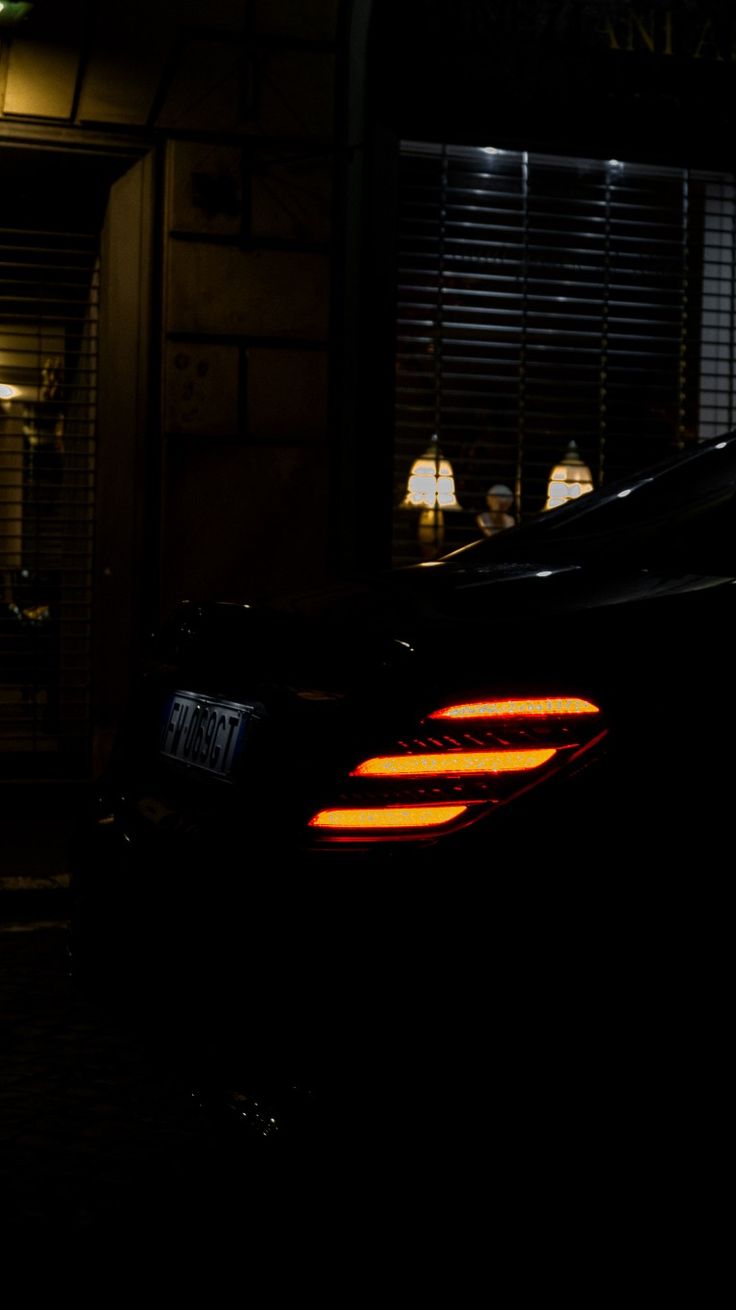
424, 844
294, 864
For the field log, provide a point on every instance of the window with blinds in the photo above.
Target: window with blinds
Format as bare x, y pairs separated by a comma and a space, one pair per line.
48, 353
543, 300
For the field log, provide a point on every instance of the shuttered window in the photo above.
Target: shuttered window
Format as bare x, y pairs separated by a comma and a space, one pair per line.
48, 352
544, 300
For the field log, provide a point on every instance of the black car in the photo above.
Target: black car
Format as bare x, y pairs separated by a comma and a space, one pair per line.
442, 853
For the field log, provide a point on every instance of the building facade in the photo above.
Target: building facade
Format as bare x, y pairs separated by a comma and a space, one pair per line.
253, 264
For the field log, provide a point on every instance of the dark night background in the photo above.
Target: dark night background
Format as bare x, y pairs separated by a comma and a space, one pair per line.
202, 214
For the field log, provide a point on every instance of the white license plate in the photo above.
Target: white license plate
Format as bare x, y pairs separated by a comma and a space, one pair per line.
204, 733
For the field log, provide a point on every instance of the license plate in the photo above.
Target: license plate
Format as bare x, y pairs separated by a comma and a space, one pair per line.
204, 733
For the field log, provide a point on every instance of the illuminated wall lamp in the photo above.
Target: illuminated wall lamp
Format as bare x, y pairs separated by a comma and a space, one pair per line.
568, 480
431, 490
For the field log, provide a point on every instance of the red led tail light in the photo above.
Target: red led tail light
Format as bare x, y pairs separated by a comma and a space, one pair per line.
517, 709
449, 763
387, 817
456, 765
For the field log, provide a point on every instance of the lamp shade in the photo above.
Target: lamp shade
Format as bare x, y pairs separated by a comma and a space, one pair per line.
569, 480
431, 482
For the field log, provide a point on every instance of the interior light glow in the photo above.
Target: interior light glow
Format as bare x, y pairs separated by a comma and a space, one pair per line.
6, 392
568, 480
395, 816
449, 763
517, 709
431, 481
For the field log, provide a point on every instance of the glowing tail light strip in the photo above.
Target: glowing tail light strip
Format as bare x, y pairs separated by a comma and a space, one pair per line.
448, 763
373, 821
408, 816
517, 709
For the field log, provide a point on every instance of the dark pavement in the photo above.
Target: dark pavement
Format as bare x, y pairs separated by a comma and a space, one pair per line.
100, 1136
99, 1128
98, 1132
91, 1129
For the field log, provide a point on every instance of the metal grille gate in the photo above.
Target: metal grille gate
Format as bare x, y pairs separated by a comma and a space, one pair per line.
49, 281
542, 300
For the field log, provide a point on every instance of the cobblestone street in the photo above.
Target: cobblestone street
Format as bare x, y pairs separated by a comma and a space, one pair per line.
92, 1130
99, 1137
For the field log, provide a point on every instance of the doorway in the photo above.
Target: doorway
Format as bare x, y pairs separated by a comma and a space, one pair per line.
51, 223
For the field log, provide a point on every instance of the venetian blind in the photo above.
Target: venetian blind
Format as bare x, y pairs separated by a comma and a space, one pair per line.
543, 300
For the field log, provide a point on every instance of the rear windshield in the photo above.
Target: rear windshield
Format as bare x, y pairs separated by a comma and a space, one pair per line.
681, 512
